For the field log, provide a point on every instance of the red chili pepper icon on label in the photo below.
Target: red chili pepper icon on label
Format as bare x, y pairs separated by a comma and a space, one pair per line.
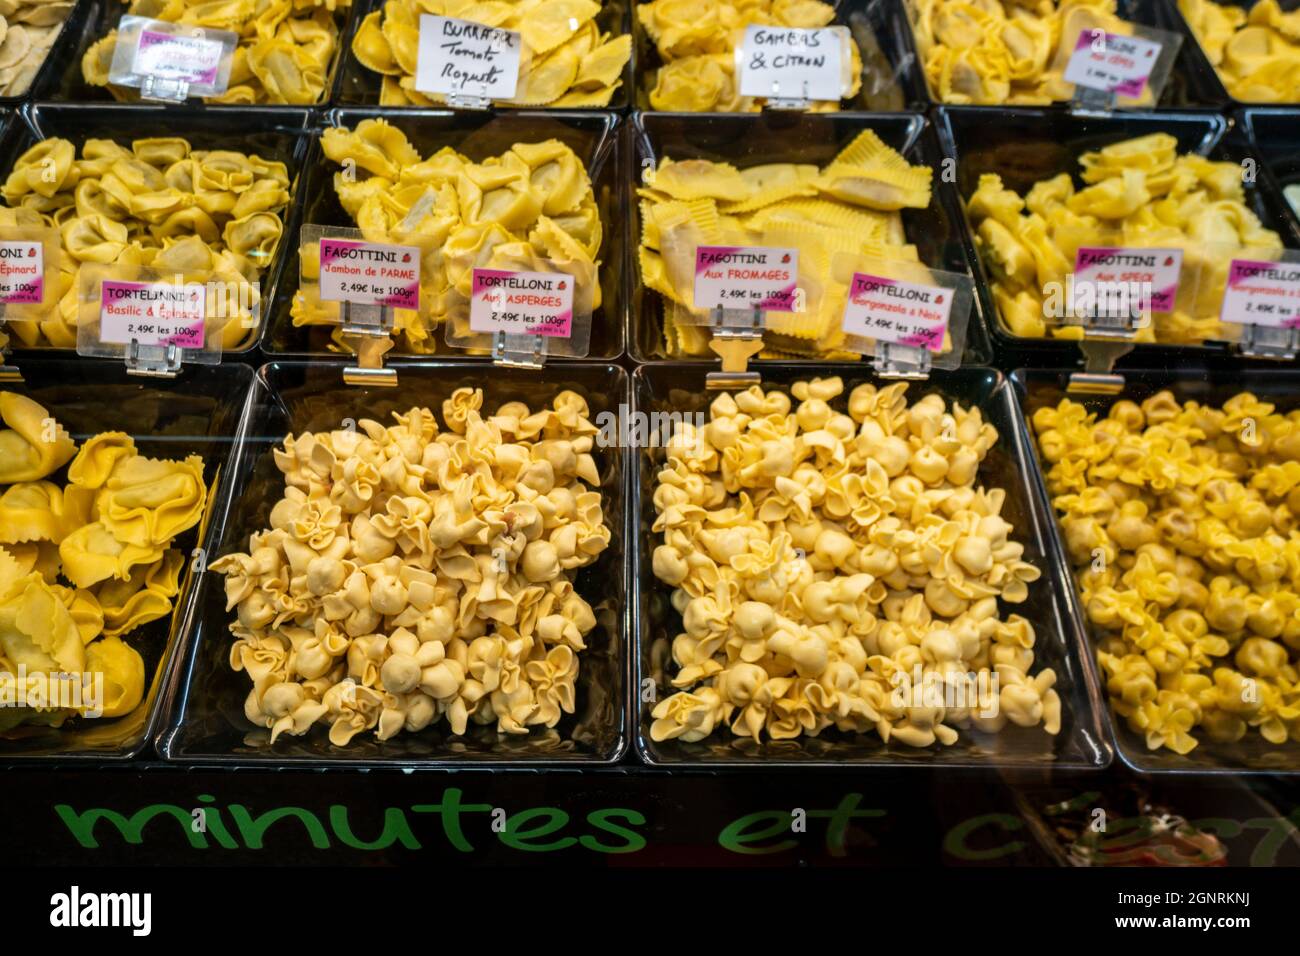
785, 258
1169, 260
407, 257
31, 253
563, 285
938, 300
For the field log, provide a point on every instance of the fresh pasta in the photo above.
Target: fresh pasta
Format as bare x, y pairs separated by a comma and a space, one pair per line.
414, 574
1138, 192
83, 561
1007, 52
1256, 52
284, 54
698, 39
28, 29
1180, 519
532, 204
837, 564
850, 207
566, 61
207, 215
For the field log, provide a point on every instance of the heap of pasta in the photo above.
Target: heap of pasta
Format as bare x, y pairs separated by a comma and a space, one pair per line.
565, 60
412, 575
1180, 519
994, 52
698, 40
28, 28
1256, 52
528, 209
841, 567
84, 561
205, 215
1139, 192
852, 206
284, 54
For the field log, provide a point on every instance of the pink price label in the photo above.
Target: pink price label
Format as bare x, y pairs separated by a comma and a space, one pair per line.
152, 313
173, 56
22, 273
746, 277
1144, 279
370, 273
1262, 293
522, 303
1112, 63
902, 313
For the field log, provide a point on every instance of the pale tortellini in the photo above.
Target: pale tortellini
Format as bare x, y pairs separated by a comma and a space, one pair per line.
1256, 52
565, 60
284, 56
1139, 193
852, 206
83, 563
28, 29
837, 564
1180, 519
528, 209
213, 216
697, 41
995, 52
413, 574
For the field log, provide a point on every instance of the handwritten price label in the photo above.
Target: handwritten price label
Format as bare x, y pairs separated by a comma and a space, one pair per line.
22, 273
902, 313
1112, 63
788, 62
466, 58
152, 313
746, 277
522, 303
370, 273
1262, 293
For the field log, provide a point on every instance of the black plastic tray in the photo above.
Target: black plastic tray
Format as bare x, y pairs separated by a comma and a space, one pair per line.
100, 17
359, 86
1187, 86
206, 702
1036, 388
1031, 144
1275, 136
679, 387
592, 134
747, 139
197, 413
279, 133
63, 48
882, 34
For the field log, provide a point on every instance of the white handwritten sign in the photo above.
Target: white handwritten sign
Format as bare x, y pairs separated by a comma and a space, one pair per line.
792, 63
464, 58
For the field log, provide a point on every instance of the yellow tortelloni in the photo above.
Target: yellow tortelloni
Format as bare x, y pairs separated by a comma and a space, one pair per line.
697, 41
994, 52
565, 62
213, 216
108, 533
1256, 53
851, 207
422, 571
836, 563
284, 55
1180, 520
1137, 192
530, 205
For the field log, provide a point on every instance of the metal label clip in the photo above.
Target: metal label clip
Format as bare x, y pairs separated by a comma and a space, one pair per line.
1269, 342
518, 351
737, 337
164, 90
153, 361
902, 361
